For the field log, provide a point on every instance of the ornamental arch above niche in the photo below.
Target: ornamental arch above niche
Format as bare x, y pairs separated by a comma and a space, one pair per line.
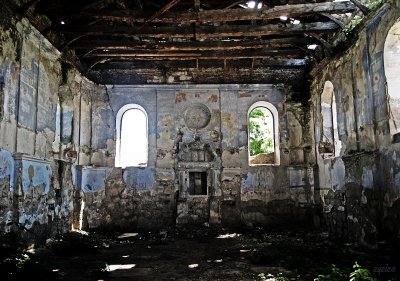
197, 116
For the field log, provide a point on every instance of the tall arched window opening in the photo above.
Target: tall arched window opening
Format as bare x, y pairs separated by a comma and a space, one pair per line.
392, 72
132, 137
263, 134
330, 144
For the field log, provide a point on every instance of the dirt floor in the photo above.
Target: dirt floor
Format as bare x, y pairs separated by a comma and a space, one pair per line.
208, 254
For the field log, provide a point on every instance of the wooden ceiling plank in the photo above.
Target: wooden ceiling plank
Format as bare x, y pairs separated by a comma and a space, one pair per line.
160, 12
297, 11
283, 53
362, 8
189, 46
264, 61
201, 32
334, 19
100, 4
121, 63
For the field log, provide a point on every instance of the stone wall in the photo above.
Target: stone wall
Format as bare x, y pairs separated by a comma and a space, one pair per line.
39, 134
358, 186
58, 147
237, 194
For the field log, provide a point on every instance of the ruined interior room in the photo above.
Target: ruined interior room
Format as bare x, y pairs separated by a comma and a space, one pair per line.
199, 139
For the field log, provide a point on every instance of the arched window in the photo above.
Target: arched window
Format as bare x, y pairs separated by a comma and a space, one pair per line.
263, 137
392, 72
330, 144
131, 140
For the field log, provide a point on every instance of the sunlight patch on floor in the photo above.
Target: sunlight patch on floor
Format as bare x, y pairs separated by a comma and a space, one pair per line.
228, 235
113, 267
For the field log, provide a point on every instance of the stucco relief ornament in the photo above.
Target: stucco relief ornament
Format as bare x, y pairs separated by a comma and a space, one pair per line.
197, 116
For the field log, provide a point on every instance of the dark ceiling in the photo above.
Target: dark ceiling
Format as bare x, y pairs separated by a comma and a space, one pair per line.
129, 41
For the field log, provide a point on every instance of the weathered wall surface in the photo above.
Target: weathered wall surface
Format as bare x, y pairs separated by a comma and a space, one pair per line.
38, 138
57, 138
237, 194
359, 186
58, 146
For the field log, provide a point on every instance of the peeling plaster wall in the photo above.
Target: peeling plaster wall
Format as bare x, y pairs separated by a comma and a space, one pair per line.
359, 188
238, 194
37, 196
51, 181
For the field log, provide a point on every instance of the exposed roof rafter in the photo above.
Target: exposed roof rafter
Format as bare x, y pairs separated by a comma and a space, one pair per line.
98, 35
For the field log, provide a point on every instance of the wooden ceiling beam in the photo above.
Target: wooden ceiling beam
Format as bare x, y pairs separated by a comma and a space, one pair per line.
119, 63
263, 61
362, 8
192, 45
334, 19
160, 12
281, 53
295, 11
202, 32
99, 4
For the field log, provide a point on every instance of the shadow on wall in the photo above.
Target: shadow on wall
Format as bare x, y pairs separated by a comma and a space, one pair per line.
357, 214
275, 215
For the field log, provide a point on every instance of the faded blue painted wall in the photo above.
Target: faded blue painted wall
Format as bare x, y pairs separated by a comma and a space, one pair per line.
7, 167
94, 179
103, 128
34, 174
66, 126
140, 179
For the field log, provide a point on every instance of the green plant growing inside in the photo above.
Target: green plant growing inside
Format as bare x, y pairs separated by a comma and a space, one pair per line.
261, 131
337, 274
361, 274
372, 4
356, 19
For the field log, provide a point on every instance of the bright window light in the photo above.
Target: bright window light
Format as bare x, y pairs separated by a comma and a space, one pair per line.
284, 18
251, 4
259, 5
133, 138
132, 142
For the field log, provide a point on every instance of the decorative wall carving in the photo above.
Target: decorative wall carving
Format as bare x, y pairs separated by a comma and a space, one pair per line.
197, 116
195, 151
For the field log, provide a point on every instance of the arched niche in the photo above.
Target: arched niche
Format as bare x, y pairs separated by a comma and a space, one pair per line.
392, 72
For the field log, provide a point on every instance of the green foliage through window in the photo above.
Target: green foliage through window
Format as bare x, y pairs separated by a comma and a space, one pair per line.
261, 131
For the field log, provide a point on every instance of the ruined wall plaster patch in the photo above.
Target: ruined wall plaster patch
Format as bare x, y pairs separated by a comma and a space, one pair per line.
297, 176
7, 167
180, 97
213, 98
397, 181
94, 179
247, 180
367, 179
338, 174
139, 178
35, 174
